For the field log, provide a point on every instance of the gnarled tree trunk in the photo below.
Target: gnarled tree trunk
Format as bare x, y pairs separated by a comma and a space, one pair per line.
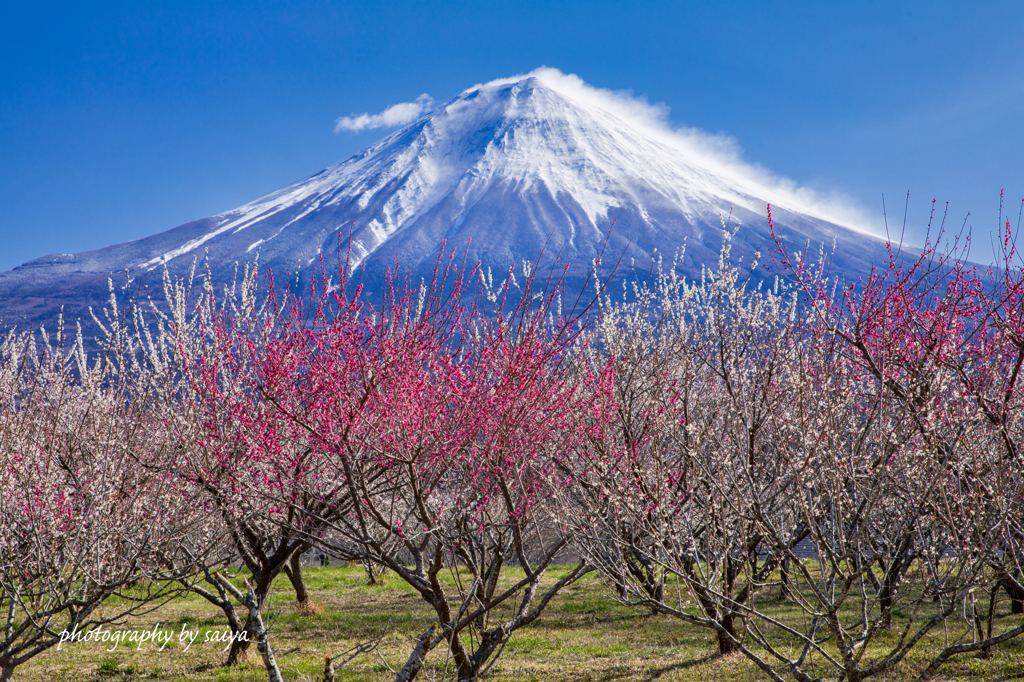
293, 570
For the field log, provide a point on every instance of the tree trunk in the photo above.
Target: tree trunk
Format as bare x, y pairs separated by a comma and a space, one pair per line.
6, 670
725, 644
240, 647
295, 576
293, 570
890, 583
259, 630
885, 603
490, 641
784, 579
893, 575
986, 652
222, 600
260, 591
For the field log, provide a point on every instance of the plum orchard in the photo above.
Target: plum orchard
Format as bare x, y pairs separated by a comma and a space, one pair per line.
720, 452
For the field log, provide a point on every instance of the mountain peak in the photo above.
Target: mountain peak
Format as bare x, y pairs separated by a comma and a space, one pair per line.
537, 162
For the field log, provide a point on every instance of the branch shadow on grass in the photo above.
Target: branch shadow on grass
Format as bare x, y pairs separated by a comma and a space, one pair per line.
655, 673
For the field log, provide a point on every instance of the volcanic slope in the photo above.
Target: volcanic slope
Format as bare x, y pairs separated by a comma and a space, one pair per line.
540, 163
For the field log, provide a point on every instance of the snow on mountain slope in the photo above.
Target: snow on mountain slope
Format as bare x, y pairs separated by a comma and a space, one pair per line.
540, 162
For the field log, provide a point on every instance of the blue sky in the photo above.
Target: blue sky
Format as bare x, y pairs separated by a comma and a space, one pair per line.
121, 120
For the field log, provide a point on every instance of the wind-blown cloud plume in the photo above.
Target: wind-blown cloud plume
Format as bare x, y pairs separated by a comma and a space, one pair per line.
395, 115
719, 151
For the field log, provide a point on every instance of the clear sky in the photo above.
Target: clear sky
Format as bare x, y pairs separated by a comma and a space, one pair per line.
121, 120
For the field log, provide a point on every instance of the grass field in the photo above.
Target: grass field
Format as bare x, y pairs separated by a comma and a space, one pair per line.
584, 635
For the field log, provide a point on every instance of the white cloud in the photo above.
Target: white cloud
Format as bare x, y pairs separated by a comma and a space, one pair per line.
395, 115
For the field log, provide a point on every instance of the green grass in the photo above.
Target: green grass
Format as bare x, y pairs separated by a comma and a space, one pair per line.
585, 635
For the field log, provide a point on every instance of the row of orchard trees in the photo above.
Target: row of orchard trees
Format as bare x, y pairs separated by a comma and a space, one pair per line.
851, 448
712, 448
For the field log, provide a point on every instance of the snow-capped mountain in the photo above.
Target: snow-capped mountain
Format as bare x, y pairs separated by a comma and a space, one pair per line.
513, 168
